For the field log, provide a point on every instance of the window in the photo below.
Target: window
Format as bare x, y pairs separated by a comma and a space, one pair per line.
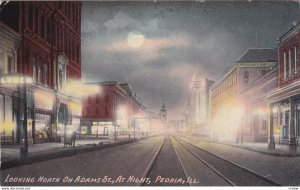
39, 77
36, 23
106, 111
30, 16
97, 111
290, 62
246, 76
1, 62
10, 64
46, 75
106, 98
34, 69
43, 26
48, 30
89, 99
97, 99
285, 65
297, 66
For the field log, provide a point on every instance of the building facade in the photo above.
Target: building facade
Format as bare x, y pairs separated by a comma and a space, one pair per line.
200, 101
114, 110
49, 53
228, 106
284, 101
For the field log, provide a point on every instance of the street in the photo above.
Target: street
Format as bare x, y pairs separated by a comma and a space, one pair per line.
160, 161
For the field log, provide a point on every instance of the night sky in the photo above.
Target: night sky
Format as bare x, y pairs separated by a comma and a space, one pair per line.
161, 46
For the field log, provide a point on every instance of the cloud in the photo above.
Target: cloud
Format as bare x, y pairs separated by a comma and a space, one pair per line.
119, 21
150, 49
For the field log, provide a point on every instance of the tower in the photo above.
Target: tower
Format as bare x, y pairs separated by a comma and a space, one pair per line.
163, 113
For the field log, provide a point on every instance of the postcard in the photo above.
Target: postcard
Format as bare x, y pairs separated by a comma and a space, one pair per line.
98, 94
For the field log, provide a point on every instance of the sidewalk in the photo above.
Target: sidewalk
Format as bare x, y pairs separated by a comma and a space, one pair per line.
280, 150
10, 154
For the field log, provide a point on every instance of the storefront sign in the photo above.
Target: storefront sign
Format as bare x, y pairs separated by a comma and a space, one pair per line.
15, 79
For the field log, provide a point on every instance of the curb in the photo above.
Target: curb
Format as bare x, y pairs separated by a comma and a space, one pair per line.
63, 153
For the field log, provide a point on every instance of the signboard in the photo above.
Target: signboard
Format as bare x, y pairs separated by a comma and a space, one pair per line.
16, 79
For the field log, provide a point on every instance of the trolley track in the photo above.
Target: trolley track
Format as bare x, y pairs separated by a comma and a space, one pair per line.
165, 164
233, 173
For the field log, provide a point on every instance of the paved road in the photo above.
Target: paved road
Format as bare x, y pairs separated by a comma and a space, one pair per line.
167, 170
123, 164
284, 170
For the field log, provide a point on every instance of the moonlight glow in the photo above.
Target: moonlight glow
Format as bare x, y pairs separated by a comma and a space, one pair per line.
135, 39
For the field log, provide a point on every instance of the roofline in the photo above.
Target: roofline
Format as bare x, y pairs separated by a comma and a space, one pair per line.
288, 33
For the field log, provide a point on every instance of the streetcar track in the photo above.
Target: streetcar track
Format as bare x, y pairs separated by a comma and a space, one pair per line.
207, 164
154, 159
151, 164
248, 171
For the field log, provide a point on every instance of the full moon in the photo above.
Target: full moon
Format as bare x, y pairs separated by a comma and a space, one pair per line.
135, 39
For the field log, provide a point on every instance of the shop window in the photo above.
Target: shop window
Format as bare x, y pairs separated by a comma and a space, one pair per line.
246, 76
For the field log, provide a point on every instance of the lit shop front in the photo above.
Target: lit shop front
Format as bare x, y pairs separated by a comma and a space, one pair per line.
12, 112
43, 128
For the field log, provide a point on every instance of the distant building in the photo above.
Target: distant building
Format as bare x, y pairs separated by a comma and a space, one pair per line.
284, 107
200, 101
227, 104
163, 113
116, 105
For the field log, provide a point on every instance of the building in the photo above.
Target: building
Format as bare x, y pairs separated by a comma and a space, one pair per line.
9, 43
227, 103
284, 101
200, 101
255, 120
163, 113
115, 110
49, 53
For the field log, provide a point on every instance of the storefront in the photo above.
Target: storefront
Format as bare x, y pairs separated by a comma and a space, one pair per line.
43, 126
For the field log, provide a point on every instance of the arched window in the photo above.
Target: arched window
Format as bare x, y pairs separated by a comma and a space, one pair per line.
246, 76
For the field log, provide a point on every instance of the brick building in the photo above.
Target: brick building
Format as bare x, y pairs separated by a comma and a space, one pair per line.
228, 106
114, 108
284, 101
49, 53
